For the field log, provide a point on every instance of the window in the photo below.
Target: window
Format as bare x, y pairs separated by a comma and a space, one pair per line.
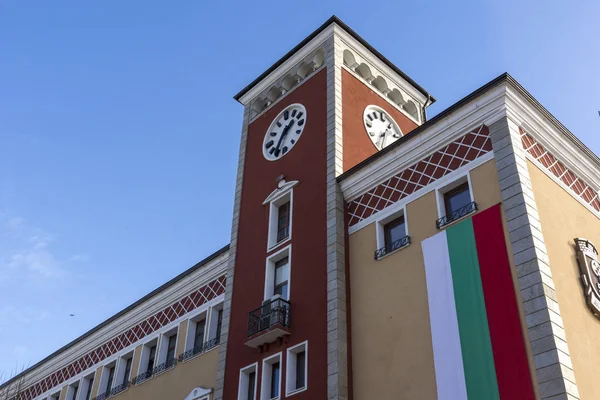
297, 368
72, 392
283, 222
454, 202
394, 231
148, 361
171, 348
199, 333
166, 350
90, 386
123, 373
127, 370
281, 213
457, 198
277, 276
282, 273
215, 326
195, 336
55, 396
247, 388
151, 357
111, 377
271, 378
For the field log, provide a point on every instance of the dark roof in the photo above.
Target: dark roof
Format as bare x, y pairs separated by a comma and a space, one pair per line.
355, 35
505, 77
124, 311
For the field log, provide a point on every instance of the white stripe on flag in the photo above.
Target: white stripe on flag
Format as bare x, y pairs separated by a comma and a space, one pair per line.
447, 355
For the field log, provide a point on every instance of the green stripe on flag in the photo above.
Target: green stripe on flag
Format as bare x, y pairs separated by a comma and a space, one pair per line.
478, 359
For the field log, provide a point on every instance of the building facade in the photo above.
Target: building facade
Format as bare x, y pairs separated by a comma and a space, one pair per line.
374, 254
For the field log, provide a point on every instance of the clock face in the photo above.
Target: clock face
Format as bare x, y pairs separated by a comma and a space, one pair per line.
284, 132
380, 126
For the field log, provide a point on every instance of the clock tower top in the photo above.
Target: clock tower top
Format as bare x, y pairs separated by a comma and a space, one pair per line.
350, 50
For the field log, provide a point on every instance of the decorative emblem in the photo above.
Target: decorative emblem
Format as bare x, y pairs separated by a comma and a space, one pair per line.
587, 258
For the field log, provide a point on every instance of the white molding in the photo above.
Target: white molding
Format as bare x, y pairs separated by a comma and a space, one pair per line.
443, 181
270, 264
245, 371
265, 380
288, 359
280, 191
198, 393
286, 66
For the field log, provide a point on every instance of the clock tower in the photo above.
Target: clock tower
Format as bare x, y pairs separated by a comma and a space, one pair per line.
326, 106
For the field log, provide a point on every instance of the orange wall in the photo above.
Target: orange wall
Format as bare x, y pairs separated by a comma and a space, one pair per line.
355, 97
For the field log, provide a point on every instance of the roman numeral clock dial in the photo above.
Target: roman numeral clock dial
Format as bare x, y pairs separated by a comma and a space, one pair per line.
284, 132
380, 126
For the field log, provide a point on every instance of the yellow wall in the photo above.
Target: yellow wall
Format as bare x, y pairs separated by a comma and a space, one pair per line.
563, 218
391, 341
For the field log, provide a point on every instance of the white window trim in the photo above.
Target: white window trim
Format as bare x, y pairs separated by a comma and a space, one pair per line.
147, 344
121, 364
85, 383
190, 333
269, 288
71, 388
163, 348
246, 371
274, 204
380, 228
288, 368
265, 382
103, 384
211, 324
440, 191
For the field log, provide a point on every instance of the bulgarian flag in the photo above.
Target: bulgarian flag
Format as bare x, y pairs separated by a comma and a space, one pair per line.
478, 346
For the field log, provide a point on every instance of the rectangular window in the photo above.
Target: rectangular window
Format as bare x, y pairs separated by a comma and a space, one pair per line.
457, 198
282, 274
394, 231
275, 373
296, 368
74, 390
111, 376
171, 348
247, 388
251, 385
151, 357
199, 334
90, 386
219, 324
127, 370
283, 222
271, 378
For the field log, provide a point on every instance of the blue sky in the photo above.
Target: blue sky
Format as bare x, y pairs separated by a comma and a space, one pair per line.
119, 134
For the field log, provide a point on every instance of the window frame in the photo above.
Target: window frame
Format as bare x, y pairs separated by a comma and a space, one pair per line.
266, 382
381, 224
457, 182
290, 370
213, 328
463, 187
269, 288
190, 333
275, 201
162, 351
244, 382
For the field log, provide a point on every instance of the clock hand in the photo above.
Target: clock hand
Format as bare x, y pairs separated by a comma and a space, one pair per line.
285, 131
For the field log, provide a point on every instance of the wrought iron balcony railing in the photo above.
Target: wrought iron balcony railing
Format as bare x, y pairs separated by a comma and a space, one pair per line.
120, 388
388, 248
276, 311
150, 373
457, 214
199, 349
144, 376
102, 396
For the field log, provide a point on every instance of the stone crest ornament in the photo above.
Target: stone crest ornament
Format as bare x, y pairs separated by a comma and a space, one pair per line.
589, 267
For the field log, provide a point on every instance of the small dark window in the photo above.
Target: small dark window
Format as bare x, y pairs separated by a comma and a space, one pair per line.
281, 278
171, 348
219, 324
457, 198
199, 334
75, 390
283, 222
394, 231
127, 370
151, 358
275, 371
300, 370
111, 375
88, 395
251, 385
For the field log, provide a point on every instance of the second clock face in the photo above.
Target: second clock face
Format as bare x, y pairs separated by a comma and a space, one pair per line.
380, 126
284, 132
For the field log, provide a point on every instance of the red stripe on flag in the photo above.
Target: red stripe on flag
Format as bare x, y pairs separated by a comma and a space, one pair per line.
510, 357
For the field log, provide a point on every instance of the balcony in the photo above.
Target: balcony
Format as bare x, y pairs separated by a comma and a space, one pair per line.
268, 322
390, 248
456, 215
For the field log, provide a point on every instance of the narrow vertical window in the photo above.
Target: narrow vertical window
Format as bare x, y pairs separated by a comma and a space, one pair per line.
283, 222
199, 335
127, 370
300, 370
88, 395
282, 274
275, 372
75, 390
151, 357
219, 323
171, 350
111, 375
251, 385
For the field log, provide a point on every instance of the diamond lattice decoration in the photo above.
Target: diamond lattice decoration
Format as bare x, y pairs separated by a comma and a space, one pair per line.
132, 335
458, 153
584, 191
